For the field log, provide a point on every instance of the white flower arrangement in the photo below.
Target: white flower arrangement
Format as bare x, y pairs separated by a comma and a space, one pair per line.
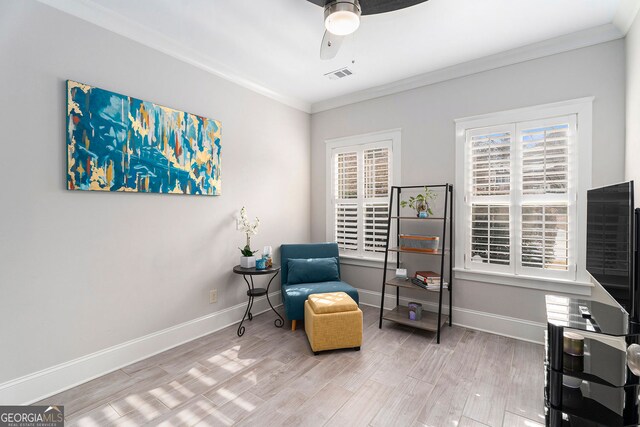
249, 229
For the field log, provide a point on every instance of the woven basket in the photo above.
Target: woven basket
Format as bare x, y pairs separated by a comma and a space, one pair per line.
410, 242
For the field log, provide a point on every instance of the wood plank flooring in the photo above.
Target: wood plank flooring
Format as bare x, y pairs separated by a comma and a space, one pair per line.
270, 376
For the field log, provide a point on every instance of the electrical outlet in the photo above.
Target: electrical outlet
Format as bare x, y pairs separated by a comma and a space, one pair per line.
213, 296
237, 223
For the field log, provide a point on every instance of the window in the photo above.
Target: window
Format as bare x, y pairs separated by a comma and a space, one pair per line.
521, 193
360, 171
524, 177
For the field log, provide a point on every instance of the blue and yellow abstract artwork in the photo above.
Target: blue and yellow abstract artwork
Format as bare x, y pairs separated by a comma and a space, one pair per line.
119, 143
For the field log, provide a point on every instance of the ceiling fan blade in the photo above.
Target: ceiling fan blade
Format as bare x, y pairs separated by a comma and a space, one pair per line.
374, 7
330, 45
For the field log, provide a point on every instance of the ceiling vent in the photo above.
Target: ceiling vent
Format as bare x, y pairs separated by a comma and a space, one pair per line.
339, 74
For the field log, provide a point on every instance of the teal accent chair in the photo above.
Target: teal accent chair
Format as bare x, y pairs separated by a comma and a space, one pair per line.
294, 295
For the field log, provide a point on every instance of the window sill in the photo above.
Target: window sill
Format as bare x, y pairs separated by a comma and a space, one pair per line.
542, 284
363, 261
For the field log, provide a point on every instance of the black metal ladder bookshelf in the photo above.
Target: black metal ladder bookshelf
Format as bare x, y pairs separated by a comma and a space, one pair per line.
430, 321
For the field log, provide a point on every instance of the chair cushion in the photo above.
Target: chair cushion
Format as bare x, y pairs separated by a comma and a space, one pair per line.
294, 296
313, 270
331, 302
304, 250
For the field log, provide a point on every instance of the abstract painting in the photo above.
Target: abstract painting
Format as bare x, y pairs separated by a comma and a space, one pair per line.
119, 143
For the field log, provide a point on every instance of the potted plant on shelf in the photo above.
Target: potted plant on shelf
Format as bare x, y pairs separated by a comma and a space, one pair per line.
421, 203
247, 260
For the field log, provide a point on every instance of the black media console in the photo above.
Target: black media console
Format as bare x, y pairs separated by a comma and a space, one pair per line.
599, 389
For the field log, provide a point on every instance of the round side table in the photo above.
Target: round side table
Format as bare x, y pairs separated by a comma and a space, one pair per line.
253, 292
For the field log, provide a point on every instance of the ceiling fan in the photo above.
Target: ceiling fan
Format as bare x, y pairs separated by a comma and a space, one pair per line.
342, 18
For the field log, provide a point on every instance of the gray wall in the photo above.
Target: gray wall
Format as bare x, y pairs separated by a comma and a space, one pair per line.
83, 271
426, 116
633, 106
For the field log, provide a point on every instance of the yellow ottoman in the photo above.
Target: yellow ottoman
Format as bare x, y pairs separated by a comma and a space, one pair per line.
332, 320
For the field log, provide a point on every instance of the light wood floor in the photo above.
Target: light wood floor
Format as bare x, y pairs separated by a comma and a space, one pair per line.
270, 377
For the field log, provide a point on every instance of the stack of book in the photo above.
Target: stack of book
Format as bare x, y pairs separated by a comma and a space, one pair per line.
427, 280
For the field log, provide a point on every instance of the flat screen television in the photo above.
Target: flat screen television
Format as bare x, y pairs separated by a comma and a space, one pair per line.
610, 242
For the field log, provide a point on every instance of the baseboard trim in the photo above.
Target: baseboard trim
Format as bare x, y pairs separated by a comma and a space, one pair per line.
39, 385
512, 327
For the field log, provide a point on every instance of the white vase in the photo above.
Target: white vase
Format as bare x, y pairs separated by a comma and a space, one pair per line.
247, 261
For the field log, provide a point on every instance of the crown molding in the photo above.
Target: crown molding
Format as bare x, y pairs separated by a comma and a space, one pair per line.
90, 11
101, 16
626, 14
577, 40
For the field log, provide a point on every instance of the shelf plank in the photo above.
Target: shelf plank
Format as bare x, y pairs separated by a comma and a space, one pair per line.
408, 251
596, 355
403, 187
593, 409
402, 283
429, 321
429, 218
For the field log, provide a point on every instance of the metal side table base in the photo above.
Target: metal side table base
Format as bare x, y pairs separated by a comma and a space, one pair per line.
253, 292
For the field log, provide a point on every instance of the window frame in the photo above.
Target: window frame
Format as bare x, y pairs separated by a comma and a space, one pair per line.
391, 138
516, 275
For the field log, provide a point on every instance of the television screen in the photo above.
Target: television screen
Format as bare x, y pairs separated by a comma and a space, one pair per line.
610, 240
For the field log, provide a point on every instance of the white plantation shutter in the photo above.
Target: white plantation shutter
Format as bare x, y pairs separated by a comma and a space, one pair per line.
346, 175
376, 194
520, 196
347, 226
490, 234
375, 227
346, 207
362, 181
545, 159
491, 163
376, 172
488, 193
545, 237
548, 197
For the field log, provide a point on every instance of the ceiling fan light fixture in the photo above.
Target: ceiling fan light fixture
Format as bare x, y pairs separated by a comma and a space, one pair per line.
342, 17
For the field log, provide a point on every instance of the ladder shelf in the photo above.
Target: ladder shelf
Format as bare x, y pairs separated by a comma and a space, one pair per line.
431, 321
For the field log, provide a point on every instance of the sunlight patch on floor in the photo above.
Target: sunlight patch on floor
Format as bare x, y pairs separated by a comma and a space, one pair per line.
251, 377
183, 390
196, 372
150, 412
157, 392
106, 415
134, 400
207, 380
247, 406
226, 394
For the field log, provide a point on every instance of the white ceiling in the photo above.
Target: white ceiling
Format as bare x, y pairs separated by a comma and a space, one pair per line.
273, 45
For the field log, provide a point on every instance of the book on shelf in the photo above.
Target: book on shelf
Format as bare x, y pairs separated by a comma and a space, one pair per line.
428, 277
420, 283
